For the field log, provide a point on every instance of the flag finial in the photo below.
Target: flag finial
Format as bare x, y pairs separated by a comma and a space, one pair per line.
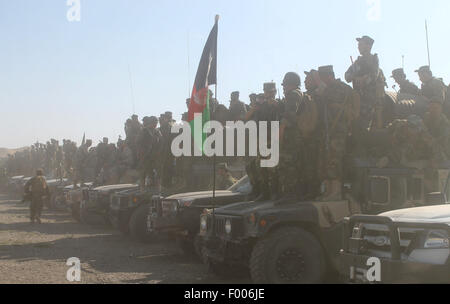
217, 18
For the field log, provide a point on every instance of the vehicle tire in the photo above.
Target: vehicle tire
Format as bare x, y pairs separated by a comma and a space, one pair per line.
288, 256
138, 225
191, 246
75, 208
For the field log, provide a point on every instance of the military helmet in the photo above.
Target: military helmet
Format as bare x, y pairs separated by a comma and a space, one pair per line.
270, 87
291, 78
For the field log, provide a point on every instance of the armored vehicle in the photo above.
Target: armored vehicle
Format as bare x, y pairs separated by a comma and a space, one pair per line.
128, 212
290, 241
74, 197
402, 246
94, 208
178, 215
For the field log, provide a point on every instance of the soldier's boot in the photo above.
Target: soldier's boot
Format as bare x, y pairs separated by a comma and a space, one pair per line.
335, 193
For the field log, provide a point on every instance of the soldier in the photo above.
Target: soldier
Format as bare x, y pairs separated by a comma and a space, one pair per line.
81, 162
439, 127
219, 112
289, 135
368, 80
339, 107
149, 149
432, 88
406, 86
265, 109
237, 108
37, 189
168, 160
124, 158
132, 130
224, 179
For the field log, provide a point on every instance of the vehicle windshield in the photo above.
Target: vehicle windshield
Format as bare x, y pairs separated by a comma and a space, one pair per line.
241, 186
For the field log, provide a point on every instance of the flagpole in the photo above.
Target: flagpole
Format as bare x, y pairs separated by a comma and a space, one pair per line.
216, 20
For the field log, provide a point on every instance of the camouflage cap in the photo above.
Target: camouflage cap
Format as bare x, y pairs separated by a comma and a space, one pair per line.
326, 70
270, 87
235, 94
416, 122
398, 72
291, 78
134, 116
39, 172
366, 39
168, 114
424, 69
310, 72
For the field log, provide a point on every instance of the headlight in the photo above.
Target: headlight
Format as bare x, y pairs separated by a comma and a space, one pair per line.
203, 223
228, 226
436, 239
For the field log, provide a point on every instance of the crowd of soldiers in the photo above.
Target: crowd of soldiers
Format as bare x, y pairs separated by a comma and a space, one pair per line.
318, 128
332, 120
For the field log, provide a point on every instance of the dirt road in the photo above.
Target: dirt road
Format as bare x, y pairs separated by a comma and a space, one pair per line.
32, 253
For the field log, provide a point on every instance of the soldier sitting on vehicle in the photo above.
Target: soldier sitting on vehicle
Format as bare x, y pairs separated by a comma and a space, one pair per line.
406, 86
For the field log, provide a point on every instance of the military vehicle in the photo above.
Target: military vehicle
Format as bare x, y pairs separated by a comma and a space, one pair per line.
128, 212
178, 215
404, 246
290, 241
56, 201
74, 197
94, 208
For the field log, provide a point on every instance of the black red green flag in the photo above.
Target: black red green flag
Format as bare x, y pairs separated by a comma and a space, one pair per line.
206, 76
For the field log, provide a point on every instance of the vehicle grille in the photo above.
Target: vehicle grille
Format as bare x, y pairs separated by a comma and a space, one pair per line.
377, 238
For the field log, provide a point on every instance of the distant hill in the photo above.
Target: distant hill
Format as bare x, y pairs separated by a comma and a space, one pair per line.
4, 151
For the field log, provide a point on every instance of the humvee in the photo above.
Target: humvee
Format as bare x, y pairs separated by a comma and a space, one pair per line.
74, 197
178, 215
290, 241
94, 208
128, 212
409, 246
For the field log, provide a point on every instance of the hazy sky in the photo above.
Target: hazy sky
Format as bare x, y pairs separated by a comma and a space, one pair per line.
59, 79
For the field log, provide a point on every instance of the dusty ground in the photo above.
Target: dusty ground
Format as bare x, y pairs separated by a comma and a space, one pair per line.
38, 253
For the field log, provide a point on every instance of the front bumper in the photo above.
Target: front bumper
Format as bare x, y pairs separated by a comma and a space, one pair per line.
226, 250
353, 268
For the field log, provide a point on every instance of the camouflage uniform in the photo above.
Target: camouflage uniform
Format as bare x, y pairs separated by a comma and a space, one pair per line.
289, 164
434, 90
37, 188
439, 129
149, 147
368, 80
335, 101
406, 86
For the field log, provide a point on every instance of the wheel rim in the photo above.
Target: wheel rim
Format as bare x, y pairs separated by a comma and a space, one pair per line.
290, 265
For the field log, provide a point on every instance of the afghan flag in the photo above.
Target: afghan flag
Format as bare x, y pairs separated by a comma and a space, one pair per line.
198, 114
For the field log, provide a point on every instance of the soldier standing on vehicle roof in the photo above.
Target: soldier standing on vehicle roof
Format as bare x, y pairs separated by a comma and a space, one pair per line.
432, 88
289, 135
37, 188
438, 126
368, 80
237, 109
406, 86
264, 109
149, 148
339, 107
168, 160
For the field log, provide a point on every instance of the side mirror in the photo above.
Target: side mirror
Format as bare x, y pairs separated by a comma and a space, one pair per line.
436, 198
